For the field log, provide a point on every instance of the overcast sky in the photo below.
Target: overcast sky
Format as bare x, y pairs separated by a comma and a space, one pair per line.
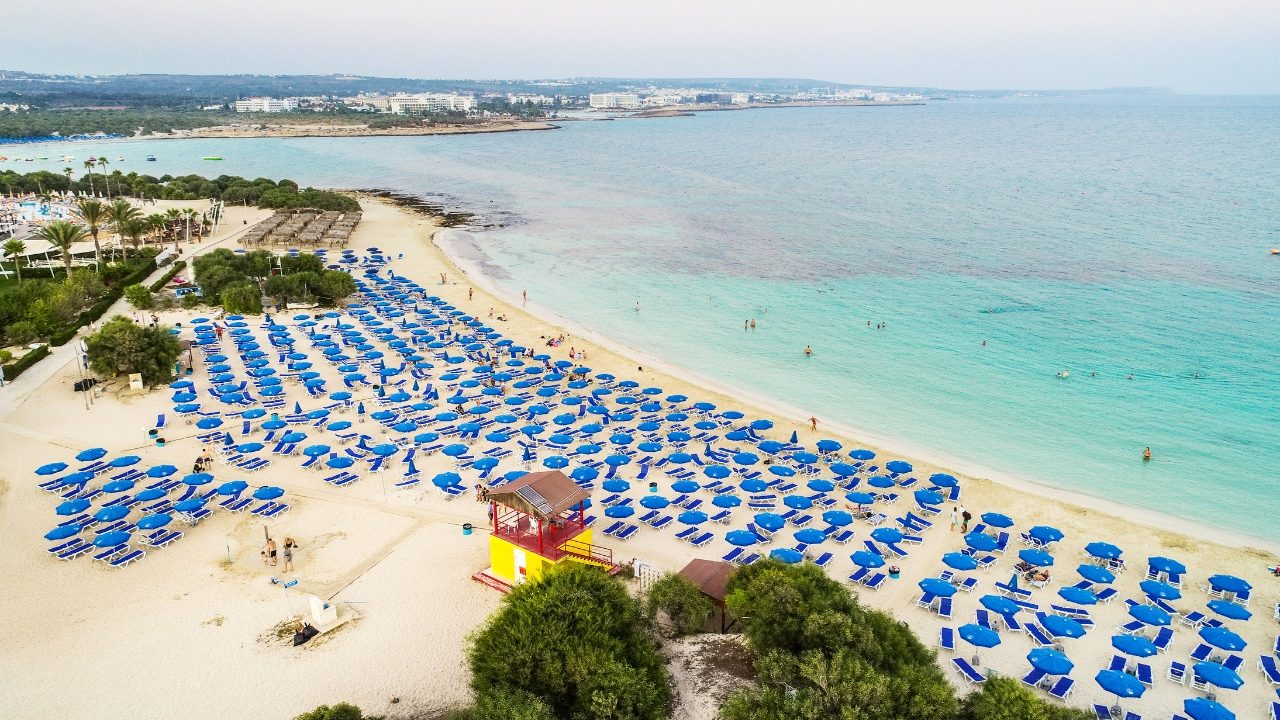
1193, 46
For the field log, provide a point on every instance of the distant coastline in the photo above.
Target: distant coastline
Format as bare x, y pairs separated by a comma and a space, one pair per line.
313, 130
687, 110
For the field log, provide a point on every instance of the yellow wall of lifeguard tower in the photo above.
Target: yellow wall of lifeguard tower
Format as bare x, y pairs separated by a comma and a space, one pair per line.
503, 553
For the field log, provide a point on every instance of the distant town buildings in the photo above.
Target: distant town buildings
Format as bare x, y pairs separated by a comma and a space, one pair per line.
609, 101
7, 107
740, 98
266, 105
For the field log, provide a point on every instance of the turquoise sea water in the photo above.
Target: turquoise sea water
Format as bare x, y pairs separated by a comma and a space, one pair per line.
1116, 237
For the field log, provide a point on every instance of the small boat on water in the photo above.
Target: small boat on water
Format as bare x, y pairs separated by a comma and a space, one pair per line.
212, 157
1275, 251
151, 158
120, 159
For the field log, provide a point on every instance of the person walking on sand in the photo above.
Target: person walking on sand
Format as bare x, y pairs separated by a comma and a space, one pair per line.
270, 550
813, 423
965, 517
289, 546
955, 518
470, 292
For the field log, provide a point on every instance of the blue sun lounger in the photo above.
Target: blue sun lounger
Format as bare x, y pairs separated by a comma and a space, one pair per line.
967, 671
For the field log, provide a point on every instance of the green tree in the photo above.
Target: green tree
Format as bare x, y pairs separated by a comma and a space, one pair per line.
13, 249
333, 286
95, 215
104, 162
121, 347
506, 705
682, 602
139, 296
1008, 699
135, 229
302, 262
573, 639
241, 298
62, 234
123, 216
88, 165
341, 711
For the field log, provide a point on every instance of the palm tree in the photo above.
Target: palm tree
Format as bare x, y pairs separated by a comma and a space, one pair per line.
121, 213
14, 248
191, 215
134, 228
172, 219
67, 171
62, 234
95, 215
156, 224
103, 162
88, 164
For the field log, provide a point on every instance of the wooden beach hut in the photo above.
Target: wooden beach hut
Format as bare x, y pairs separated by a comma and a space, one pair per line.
538, 521
712, 579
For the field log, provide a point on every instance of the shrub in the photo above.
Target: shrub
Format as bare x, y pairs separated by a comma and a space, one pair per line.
1007, 699
22, 332
242, 298
341, 711
160, 284
123, 347
572, 639
507, 705
139, 296
19, 366
5, 356
682, 602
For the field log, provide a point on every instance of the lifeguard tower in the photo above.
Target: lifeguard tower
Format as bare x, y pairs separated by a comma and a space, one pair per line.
539, 521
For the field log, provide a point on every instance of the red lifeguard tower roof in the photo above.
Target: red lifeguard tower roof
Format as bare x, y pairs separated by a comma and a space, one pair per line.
541, 494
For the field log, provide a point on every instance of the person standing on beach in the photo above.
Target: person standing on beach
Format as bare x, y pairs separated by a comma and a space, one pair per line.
955, 518
813, 423
524, 296
470, 292
289, 546
270, 550
965, 517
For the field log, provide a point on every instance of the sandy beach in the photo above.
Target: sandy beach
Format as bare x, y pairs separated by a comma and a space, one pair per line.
293, 130
203, 616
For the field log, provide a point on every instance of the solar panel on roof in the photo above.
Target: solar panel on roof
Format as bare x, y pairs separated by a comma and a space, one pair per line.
534, 498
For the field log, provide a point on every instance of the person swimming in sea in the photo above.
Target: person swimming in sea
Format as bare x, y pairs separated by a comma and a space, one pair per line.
1064, 374
808, 350
1146, 454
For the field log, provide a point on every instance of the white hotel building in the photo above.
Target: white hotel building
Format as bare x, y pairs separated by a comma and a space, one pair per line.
266, 105
604, 101
430, 103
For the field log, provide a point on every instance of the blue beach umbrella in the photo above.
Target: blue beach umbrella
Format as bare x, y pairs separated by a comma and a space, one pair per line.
91, 454
882, 482
1229, 583
943, 480
1061, 626
959, 561
1167, 565
1079, 596
616, 485
741, 538
770, 521
886, 535
1150, 615
810, 536
837, 518
1134, 645
781, 470
149, 494
384, 450
1050, 661
111, 513
716, 472
998, 520
484, 463
843, 469
454, 450
1103, 550
62, 532
1218, 674
314, 450
897, 467
1200, 708
861, 454
556, 462
1096, 574
446, 479
268, 492
1157, 589
744, 458
798, 502
1223, 638
692, 517
979, 636
1032, 556
1046, 533
828, 446
118, 486
937, 586
619, 511
617, 460
821, 485
111, 539
1230, 610
233, 487
151, 522
685, 486
339, 462
123, 461
654, 502
999, 604
786, 555
249, 447
860, 498
928, 497
161, 471
866, 559
726, 501
753, 485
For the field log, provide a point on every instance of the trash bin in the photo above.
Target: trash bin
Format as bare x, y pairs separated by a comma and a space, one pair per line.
653, 487
159, 442
466, 528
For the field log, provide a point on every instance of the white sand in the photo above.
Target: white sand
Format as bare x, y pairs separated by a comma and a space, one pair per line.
185, 628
